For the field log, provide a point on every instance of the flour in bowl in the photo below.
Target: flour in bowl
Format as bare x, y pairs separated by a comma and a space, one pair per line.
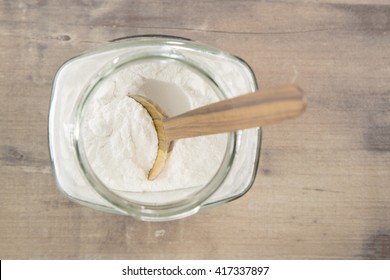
120, 139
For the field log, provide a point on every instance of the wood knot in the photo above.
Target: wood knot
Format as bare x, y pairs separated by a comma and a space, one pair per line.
63, 37
377, 247
12, 154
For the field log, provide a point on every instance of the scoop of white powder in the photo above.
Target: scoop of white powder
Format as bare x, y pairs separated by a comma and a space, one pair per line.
120, 138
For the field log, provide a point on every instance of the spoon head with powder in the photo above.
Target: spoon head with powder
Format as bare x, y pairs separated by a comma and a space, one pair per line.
254, 109
164, 144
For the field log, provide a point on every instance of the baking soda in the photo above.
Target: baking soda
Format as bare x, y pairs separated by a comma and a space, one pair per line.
120, 139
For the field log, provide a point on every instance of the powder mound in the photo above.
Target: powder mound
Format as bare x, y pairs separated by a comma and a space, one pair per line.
120, 138
121, 141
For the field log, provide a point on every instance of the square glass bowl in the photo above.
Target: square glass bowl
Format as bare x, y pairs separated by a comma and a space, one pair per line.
76, 81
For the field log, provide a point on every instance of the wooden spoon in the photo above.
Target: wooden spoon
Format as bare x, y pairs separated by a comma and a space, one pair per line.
255, 109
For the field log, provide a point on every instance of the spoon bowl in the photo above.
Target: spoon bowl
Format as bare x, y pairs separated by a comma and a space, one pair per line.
164, 143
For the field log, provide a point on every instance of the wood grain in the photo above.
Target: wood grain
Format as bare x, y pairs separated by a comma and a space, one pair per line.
322, 190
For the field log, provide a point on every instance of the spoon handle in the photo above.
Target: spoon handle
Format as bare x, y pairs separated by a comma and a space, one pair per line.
255, 109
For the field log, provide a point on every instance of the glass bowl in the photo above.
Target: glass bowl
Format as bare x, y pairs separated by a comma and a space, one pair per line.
75, 85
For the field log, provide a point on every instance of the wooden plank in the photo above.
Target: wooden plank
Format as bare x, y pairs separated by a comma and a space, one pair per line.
322, 190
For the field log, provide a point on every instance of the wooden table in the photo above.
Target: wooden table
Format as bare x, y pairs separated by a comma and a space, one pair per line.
323, 186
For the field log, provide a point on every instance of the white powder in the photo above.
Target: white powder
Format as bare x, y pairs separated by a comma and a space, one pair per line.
120, 139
